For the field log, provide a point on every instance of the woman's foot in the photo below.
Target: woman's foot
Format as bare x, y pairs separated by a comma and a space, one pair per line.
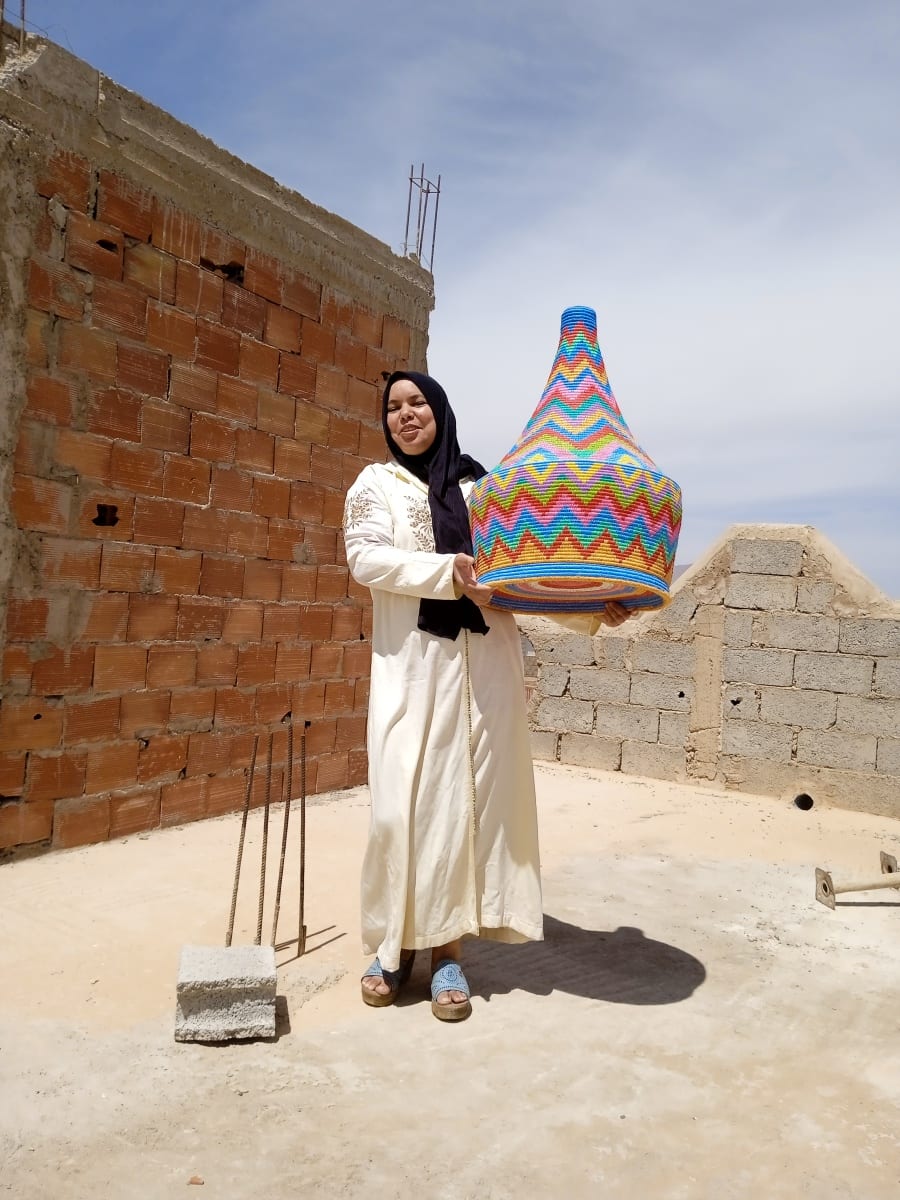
380, 987
451, 1002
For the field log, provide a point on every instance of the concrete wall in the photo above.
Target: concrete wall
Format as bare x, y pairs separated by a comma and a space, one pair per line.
775, 669
190, 361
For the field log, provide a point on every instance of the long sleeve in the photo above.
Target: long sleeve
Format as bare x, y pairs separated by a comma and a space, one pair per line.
376, 562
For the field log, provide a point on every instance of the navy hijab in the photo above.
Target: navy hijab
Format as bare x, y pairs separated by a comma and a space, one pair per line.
441, 467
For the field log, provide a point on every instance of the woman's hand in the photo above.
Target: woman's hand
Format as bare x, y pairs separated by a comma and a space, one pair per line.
464, 578
614, 614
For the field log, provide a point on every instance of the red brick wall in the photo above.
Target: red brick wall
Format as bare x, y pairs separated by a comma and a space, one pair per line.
220, 401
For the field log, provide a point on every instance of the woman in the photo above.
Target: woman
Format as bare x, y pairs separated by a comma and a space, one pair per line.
452, 848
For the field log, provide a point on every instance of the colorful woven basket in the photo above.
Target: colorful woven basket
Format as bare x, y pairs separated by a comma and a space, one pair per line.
576, 514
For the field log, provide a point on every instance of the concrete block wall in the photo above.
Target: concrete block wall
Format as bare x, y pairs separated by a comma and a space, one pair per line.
775, 669
190, 360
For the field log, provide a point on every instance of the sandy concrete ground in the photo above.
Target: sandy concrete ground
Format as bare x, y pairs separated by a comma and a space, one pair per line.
694, 1025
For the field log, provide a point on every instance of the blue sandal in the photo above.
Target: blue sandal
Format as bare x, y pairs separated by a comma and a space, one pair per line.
448, 977
394, 980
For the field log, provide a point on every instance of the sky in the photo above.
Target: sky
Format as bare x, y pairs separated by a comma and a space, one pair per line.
718, 179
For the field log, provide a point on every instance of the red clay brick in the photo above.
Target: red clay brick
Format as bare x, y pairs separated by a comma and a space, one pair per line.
84, 453
115, 414
292, 663
256, 665
262, 580
337, 311
152, 618
16, 670
327, 466
343, 434
291, 458
333, 510
243, 311
225, 794
119, 668
264, 276
307, 501
175, 232
285, 540
208, 753
187, 480
124, 205
302, 294
298, 582
200, 617
315, 623
232, 489
220, 249
217, 664
12, 775
68, 669
166, 755
198, 291
92, 351
206, 529
331, 584
281, 622
350, 355
372, 446
379, 365
171, 666
144, 713
364, 400
296, 375
34, 450
94, 721
177, 572
273, 703
192, 709
357, 768
158, 522
102, 618
45, 233
182, 802
33, 724
361, 695
41, 504
133, 812
276, 413
247, 535
137, 469
67, 176
346, 624
217, 348
80, 823
234, 708
395, 338
357, 660
327, 662
151, 271
255, 449
320, 544
26, 619
118, 307
55, 288
258, 362
55, 777
170, 330
271, 497
236, 399
165, 426
243, 623
331, 387
282, 328
113, 766
338, 697
308, 702
351, 730
48, 399
94, 246
37, 332
320, 736
212, 439
313, 423
104, 514
318, 343
221, 577
143, 371
192, 387
70, 562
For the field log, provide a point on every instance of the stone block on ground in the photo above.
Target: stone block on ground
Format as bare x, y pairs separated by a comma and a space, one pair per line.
225, 993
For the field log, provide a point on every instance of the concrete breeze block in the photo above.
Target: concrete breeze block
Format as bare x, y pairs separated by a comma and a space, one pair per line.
872, 635
583, 750
663, 658
753, 739
653, 761
834, 673
738, 629
740, 702
661, 691
553, 679
888, 758
758, 666
842, 751
674, 728
614, 720
792, 706
766, 556
795, 631
544, 746
887, 677
814, 597
599, 683
565, 715
225, 993
855, 714
766, 592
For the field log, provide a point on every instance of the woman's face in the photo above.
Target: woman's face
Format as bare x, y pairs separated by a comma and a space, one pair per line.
409, 418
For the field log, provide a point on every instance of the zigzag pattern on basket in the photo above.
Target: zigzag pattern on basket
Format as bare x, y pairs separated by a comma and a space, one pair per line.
577, 514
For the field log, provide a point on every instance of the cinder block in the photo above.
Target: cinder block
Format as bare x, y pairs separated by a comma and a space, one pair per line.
740, 702
639, 724
663, 658
738, 629
834, 673
583, 750
570, 648
544, 745
599, 683
796, 631
225, 993
553, 679
887, 677
753, 739
888, 756
842, 751
655, 762
661, 691
873, 635
674, 729
758, 666
793, 706
565, 715
676, 617
770, 593
610, 650
856, 714
814, 597
766, 556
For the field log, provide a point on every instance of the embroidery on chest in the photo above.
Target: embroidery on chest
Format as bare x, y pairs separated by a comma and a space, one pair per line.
358, 508
418, 514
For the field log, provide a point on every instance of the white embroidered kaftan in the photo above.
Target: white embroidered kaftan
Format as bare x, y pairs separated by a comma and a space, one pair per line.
452, 846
